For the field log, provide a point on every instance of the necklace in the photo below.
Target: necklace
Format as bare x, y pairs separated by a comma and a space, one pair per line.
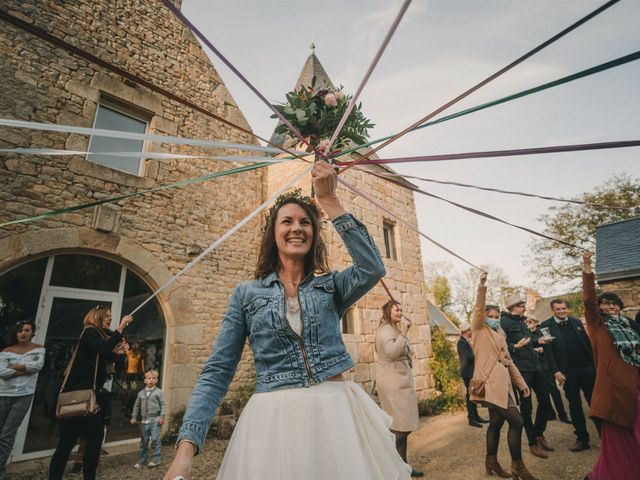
293, 305
291, 282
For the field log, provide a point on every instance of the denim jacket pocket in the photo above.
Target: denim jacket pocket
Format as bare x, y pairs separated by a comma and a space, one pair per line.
325, 290
256, 313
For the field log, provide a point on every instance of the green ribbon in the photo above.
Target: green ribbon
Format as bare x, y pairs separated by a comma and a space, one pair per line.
584, 73
181, 183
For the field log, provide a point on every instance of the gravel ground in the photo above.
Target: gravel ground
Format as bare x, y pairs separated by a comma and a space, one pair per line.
445, 447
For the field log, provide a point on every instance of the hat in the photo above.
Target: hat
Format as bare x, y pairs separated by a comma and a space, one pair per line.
464, 326
531, 316
513, 300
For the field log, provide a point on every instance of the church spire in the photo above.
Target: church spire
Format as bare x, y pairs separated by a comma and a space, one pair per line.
313, 68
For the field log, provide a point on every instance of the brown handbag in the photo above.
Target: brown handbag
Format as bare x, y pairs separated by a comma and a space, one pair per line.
77, 403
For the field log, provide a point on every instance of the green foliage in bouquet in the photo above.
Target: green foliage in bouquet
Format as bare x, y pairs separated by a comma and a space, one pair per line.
316, 113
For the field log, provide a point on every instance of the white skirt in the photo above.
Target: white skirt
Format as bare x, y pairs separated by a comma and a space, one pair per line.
332, 430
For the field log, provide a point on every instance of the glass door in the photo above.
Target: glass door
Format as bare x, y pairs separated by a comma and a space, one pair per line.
59, 329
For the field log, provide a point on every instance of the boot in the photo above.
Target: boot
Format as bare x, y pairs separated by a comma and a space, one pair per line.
520, 472
492, 466
538, 451
543, 443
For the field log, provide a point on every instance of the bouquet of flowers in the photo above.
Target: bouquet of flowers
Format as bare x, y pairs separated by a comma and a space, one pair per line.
316, 113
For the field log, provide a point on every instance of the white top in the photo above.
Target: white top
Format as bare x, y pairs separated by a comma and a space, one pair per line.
11, 386
293, 314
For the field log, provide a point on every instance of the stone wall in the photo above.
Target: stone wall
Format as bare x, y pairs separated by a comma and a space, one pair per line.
155, 234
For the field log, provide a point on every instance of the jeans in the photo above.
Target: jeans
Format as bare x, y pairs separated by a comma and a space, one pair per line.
91, 427
579, 379
472, 408
538, 383
150, 432
12, 412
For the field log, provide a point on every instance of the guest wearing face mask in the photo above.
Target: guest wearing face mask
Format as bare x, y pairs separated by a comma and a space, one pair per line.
524, 356
494, 376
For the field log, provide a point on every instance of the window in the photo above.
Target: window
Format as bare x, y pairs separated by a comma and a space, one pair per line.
114, 114
388, 231
349, 321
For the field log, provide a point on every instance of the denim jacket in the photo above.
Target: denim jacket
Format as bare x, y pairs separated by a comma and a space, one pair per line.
282, 358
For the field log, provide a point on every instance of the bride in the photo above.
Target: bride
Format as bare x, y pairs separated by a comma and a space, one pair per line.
305, 421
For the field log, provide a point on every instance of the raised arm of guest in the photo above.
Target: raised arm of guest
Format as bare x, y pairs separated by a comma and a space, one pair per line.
477, 322
591, 311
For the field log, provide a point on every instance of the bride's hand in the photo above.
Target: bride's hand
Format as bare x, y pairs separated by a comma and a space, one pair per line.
181, 465
325, 183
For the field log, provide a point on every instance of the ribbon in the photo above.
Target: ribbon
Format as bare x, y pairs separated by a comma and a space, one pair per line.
484, 214
181, 183
179, 15
376, 59
53, 152
409, 226
487, 80
28, 27
569, 78
500, 153
498, 190
222, 239
101, 132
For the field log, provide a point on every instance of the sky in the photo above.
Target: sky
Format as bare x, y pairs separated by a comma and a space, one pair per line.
441, 49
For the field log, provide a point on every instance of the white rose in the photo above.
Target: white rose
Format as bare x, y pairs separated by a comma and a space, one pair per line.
330, 100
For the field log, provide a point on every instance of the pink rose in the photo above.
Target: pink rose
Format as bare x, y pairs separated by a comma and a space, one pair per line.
324, 145
330, 100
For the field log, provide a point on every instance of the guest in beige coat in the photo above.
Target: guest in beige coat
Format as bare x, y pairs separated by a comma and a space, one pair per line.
394, 377
495, 371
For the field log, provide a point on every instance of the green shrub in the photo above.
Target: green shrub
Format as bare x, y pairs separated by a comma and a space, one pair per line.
445, 370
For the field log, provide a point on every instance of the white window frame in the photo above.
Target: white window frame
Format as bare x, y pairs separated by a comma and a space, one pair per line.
124, 108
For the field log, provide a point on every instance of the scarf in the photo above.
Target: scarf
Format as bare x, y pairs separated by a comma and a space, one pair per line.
493, 323
624, 337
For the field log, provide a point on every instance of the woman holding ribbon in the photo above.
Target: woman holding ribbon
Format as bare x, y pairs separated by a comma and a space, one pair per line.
394, 376
616, 394
492, 385
305, 420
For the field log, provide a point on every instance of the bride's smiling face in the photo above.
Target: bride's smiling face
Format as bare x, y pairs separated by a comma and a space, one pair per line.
293, 232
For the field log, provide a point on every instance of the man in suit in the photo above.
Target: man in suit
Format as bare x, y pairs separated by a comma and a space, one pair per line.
521, 347
465, 353
575, 368
545, 353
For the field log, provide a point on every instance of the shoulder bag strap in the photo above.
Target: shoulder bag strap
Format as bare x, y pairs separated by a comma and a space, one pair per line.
67, 370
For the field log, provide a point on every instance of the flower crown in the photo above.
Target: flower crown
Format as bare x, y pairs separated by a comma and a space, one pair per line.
295, 194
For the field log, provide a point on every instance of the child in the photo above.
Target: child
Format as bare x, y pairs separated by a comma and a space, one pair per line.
150, 407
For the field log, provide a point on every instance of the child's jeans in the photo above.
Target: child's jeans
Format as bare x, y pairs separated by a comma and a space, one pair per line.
150, 432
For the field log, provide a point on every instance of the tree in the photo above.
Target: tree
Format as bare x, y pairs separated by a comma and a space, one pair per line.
437, 282
552, 262
465, 287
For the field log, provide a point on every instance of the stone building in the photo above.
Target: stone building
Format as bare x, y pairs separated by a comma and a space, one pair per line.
53, 270
618, 261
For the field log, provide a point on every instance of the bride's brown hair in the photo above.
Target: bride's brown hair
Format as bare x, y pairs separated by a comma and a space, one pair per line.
268, 258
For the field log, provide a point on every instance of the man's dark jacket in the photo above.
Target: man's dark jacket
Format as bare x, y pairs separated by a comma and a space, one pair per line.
547, 358
465, 352
525, 358
558, 346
